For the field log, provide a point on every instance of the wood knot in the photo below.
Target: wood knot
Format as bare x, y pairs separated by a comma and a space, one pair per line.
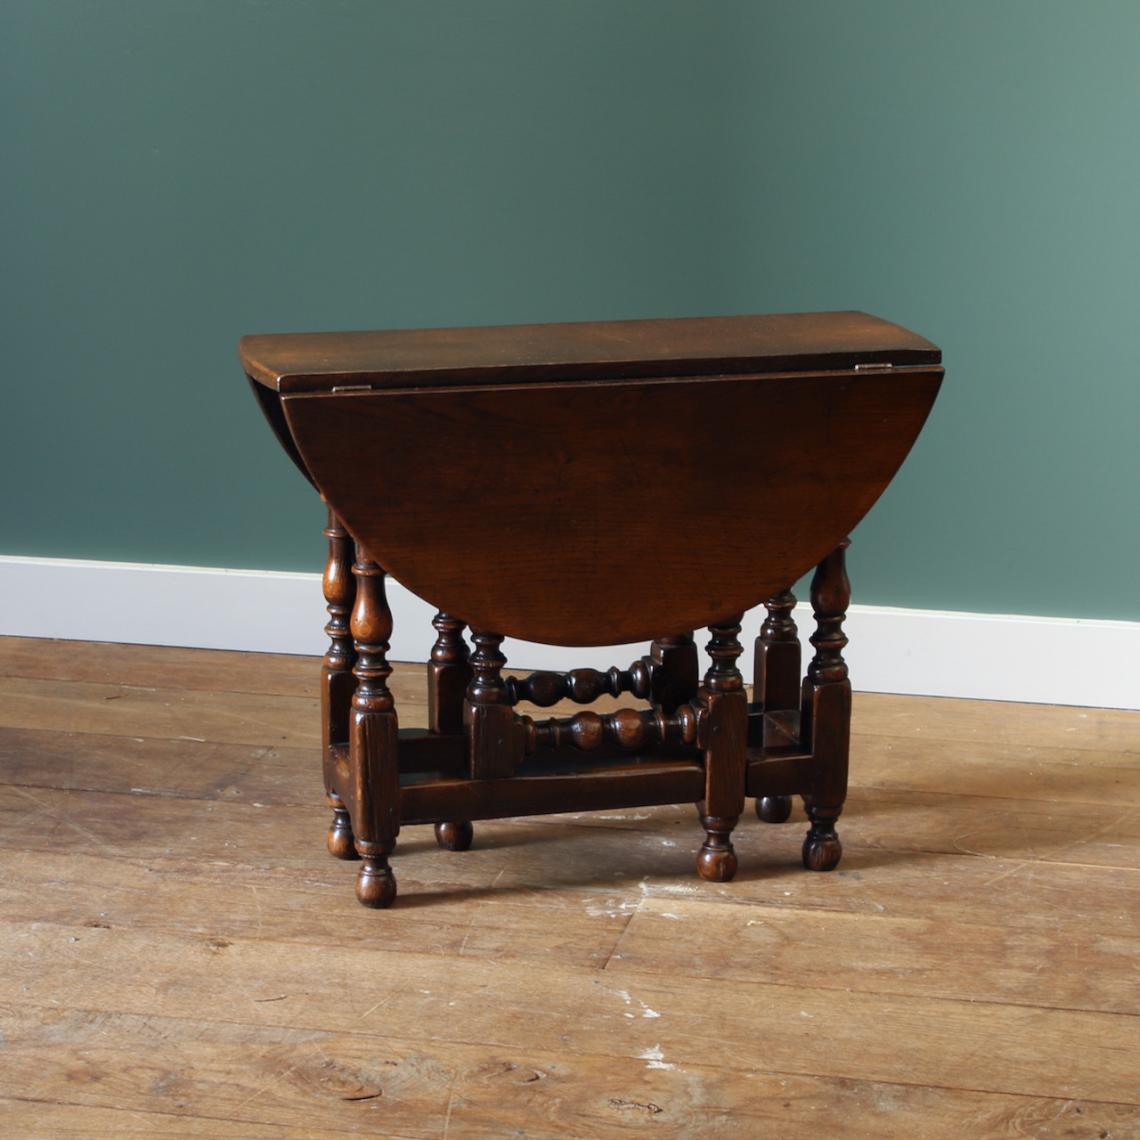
646, 1106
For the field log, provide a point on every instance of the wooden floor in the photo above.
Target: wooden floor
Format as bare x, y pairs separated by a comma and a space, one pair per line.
181, 958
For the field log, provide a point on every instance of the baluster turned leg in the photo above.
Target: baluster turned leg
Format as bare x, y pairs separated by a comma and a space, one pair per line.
495, 744
724, 737
373, 738
337, 681
826, 712
776, 681
449, 673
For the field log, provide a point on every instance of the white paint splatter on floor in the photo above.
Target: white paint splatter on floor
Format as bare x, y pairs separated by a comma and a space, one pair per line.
655, 1059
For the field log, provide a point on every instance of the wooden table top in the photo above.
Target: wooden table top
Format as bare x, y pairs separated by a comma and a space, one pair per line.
513, 354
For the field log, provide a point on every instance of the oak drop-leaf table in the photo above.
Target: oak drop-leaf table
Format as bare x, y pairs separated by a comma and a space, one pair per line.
592, 484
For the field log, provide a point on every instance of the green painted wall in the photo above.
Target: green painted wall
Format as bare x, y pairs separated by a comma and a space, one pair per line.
178, 172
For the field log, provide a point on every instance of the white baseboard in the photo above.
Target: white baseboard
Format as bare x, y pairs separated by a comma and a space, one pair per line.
1004, 657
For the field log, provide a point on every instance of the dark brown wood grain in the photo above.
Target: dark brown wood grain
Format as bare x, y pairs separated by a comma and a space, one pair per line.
776, 679
587, 485
776, 669
695, 346
615, 512
448, 675
826, 712
723, 733
496, 742
337, 681
373, 748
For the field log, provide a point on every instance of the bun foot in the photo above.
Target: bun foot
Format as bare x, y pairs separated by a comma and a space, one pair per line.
339, 838
716, 862
774, 809
454, 836
716, 865
822, 852
375, 883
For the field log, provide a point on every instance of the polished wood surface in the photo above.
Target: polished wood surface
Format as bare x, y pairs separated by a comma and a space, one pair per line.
181, 958
607, 513
482, 759
592, 484
307, 362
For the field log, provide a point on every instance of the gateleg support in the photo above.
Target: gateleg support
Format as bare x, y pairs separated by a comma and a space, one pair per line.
448, 675
373, 738
776, 684
776, 662
826, 712
495, 737
723, 735
337, 681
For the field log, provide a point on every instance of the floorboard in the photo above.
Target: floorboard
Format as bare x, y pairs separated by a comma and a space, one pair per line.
181, 957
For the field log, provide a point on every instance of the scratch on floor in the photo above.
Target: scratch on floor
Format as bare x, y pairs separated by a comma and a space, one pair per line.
1111, 825
966, 850
257, 1092
56, 818
1007, 873
373, 1008
617, 941
466, 933
257, 905
450, 1105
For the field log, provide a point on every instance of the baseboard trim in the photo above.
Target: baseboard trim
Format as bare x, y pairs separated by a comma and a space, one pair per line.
1003, 657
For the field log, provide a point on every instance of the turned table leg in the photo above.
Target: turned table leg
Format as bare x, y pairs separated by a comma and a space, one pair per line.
776, 680
826, 712
448, 672
724, 738
448, 675
373, 739
337, 682
494, 738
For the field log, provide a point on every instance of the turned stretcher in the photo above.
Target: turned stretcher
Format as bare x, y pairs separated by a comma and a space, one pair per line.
592, 484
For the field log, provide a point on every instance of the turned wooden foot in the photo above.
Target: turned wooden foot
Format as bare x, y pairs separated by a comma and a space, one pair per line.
375, 883
822, 849
454, 836
774, 809
340, 842
716, 862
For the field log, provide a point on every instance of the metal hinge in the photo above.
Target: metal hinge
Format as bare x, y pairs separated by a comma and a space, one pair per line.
878, 366
364, 387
